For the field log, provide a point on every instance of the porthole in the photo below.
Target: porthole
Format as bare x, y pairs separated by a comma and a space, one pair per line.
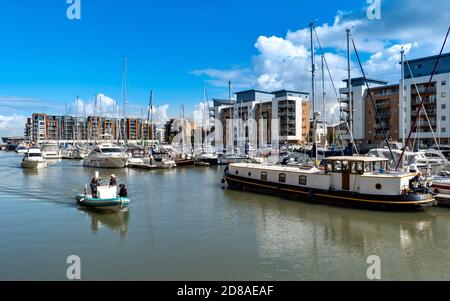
237, 172
249, 174
302, 180
264, 176
378, 186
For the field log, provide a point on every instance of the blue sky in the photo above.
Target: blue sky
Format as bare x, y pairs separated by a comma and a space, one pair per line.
173, 47
46, 56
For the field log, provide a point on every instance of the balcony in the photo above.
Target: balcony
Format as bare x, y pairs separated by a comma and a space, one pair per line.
422, 90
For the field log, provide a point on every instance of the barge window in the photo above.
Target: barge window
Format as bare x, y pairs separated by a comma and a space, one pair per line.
237, 172
282, 178
345, 166
357, 168
302, 180
337, 166
264, 176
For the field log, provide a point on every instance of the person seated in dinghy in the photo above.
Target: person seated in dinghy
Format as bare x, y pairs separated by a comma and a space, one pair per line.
113, 181
94, 185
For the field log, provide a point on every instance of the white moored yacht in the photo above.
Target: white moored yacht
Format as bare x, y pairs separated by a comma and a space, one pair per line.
106, 156
21, 149
33, 159
352, 181
51, 151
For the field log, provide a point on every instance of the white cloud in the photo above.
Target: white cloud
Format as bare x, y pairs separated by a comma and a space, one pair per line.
12, 125
201, 114
240, 77
18, 105
160, 114
99, 105
107, 106
282, 62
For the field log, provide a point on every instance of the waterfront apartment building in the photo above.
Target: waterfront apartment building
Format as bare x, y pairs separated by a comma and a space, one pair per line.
397, 115
386, 100
69, 129
417, 75
358, 91
176, 126
249, 119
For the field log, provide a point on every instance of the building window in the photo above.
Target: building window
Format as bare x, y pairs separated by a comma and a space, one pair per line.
264, 176
302, 180
443, 106
443, 118
282, 178
443, 130
443, 94
443, 83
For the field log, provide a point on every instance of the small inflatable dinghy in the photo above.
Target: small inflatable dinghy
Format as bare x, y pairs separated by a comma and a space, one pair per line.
107, 199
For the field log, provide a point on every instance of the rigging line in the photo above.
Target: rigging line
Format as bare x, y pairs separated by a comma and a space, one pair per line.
426, 115
369, 92
335, 92
426, 94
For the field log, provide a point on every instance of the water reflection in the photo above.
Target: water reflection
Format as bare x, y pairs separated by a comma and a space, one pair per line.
117, 222
286, 228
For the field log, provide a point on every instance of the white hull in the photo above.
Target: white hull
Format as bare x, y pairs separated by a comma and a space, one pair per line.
51, 156
105, 162
231, 160
441, 185
30, 164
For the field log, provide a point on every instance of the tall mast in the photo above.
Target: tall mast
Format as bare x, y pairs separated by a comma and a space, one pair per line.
229, 90
324, 109
96, 120
182, 129
349, 85
203, 117
85, 131
313, 93
232, 114
151, 117
125, 100
208, 117
402, 98
65, 123
75, 136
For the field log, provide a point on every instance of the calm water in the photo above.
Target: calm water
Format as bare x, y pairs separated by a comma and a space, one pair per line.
183, 226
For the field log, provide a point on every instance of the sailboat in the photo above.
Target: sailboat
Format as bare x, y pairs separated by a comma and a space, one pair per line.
183, 158
207, 155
